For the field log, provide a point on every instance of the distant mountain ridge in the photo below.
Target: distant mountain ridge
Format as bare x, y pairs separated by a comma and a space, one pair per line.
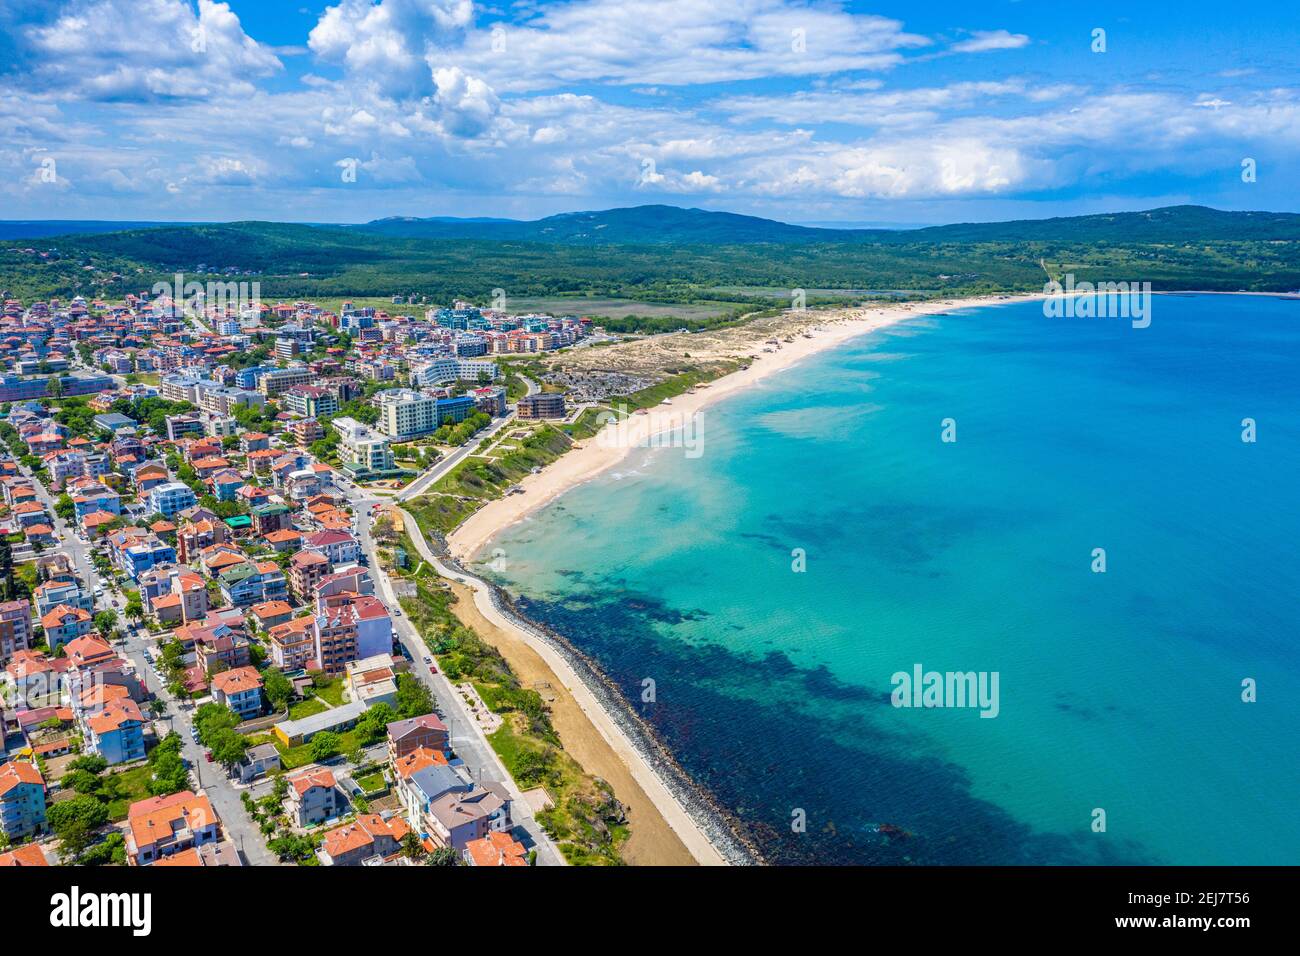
672, 225
654, 225
43, 228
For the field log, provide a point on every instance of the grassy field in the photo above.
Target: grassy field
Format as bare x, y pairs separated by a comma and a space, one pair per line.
476, 480
617, 308
131, 785
291, 758
307, 708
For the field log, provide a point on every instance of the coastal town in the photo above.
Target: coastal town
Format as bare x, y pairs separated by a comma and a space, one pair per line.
203, 574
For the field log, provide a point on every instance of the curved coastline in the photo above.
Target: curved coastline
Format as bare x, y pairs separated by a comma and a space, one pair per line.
713, 822
616, 441
681, 796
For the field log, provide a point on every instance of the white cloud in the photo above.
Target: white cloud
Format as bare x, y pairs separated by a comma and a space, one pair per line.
464, 104
982, 41
142, 50
391, 43
674, 42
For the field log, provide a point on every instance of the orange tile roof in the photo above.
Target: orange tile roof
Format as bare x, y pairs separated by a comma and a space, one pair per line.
237, 680
497, 849
29, 855
157, 817
15, 773
114, 715
319, 777
56, 616
417, 760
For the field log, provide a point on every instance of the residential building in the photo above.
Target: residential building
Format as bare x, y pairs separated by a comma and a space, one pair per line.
498, 848
240, 690
115, 731
338, 546
368, 838
22, 800
280, 380
443, 370
306, 570
249, 583
455, 818
294, 732
362, 449
311, 401
542, 405
293, 644
63, 624
313, 797
405, 414
371, 680
257, 762
171, 497
69, 591
15, 628
427, 732
162, 826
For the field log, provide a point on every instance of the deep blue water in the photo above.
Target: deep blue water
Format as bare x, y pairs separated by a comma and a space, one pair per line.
1119, 691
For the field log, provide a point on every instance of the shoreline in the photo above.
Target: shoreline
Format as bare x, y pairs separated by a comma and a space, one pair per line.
704, 834
595, 455
704, 830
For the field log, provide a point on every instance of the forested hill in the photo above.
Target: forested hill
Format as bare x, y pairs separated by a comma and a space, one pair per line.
733, 264
649, 225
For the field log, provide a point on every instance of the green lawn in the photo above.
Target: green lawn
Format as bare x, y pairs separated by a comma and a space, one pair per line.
307, 708
130, 786
331, 693
291, 758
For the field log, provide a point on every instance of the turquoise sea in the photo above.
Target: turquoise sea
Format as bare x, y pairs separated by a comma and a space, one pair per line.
1119, 691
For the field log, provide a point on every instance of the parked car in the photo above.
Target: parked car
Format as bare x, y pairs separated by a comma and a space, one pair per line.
428, 660
207, 755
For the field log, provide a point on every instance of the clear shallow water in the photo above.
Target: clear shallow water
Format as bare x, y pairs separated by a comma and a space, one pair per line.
1118, 691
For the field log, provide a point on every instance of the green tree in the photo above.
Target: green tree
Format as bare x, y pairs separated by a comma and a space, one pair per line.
173, 661
169, 775
278, 688
413, 698
64, 507
82, 781
105, 621
325, 744
373, 724
211, 719
412, 847
227, 747
74, 822
444, 856
7, 582
134, 606
93, 763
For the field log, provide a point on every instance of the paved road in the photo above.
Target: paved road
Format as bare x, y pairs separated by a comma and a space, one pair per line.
421, 484
426, 478
466, 736
225, 798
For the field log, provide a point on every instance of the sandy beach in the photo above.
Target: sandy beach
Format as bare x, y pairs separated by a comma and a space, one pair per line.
604, 451
663, 832
653, 840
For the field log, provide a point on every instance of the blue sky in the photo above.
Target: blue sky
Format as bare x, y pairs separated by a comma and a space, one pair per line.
802, 111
